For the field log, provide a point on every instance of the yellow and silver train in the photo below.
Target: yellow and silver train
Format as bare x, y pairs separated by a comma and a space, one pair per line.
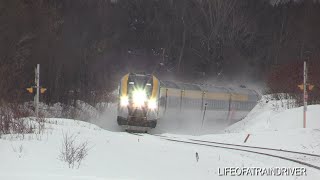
144, 99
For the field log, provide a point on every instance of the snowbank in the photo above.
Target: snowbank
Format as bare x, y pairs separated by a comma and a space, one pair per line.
81, 111
270, 116
120, 155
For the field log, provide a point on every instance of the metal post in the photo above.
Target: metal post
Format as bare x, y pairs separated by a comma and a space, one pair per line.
305, 95
202, 100
182, 91
165, 105
37, 82
204, 114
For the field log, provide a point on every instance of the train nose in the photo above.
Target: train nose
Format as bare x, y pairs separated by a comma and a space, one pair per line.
137, 111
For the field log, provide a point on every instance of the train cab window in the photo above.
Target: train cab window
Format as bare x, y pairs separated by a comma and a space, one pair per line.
148, 89
140, 82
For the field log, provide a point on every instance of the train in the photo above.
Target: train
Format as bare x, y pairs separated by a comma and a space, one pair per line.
144, 100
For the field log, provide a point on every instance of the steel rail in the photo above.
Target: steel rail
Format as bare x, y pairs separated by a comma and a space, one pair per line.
245, 150
255, 147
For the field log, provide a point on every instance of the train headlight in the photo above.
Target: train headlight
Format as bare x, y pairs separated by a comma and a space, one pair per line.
139, 97
124, 101
152, 104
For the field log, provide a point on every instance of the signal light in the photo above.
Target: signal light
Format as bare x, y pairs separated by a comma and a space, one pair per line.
33, 90
30, 90
42, 90
309, 86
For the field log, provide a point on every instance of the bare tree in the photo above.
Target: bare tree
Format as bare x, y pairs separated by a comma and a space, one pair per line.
71, 152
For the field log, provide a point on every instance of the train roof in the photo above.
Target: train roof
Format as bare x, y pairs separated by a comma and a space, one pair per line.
252, 94
180, 85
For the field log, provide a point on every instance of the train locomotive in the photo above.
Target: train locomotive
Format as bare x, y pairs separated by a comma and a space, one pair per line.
144, 100
138, 107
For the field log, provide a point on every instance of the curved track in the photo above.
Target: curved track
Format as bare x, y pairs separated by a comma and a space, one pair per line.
256, 147
245, 148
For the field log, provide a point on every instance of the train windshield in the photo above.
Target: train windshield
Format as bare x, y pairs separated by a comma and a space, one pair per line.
140, 82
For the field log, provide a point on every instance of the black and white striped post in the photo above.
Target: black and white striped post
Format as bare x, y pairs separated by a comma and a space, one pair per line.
37, 82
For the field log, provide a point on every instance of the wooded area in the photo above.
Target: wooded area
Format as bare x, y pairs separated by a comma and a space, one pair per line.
85, 46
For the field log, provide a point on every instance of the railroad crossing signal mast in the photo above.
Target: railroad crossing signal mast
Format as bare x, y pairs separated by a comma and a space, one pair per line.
305, 93
36, 90
37, 82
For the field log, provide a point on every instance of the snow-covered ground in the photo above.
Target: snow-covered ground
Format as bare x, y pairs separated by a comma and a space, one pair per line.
273, 116
120, 155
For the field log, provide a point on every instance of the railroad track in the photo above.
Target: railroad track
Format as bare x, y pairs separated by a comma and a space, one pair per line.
257, 147
135, 133
252, 149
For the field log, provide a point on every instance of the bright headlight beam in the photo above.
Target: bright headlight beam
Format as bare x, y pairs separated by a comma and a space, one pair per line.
152, 104
139, 97
124, 101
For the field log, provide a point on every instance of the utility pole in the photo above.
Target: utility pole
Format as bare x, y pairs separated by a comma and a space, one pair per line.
37, 82
305, 94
